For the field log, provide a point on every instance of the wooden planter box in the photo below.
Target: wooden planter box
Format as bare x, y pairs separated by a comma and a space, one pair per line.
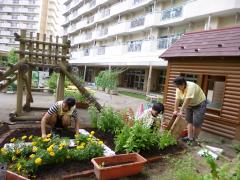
107, 90
82, 105
118, 166
114, 92
13, 176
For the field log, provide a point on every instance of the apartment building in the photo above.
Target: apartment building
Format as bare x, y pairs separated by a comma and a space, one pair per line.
134, 33
16, 15
50, 17
33, 15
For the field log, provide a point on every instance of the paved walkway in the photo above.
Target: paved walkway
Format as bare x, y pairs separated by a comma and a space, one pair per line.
118, 102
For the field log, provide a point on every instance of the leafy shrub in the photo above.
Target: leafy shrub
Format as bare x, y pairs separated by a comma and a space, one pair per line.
74, 93
52, 82
139, 138
110, 121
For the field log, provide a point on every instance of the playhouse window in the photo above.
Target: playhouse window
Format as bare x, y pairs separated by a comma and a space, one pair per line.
215, 91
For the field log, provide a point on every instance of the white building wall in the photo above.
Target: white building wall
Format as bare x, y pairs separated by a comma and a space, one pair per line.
133, 32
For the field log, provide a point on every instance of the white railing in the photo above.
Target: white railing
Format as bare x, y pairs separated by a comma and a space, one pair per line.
101, 50
171, 13
166, 42
134, 46
139, 21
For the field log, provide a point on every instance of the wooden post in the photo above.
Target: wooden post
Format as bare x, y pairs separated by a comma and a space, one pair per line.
60, 88
43, 48
50, 50
81, 89
20, 76
149, 80
28, 79
84, 73
37, 48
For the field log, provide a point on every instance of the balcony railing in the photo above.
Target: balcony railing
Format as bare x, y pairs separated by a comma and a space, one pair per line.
105, 12
101, 50
103, 32
137, 22
135, 2
134, 46
172, 13
166, 42
92, 3
90, 19
88, 36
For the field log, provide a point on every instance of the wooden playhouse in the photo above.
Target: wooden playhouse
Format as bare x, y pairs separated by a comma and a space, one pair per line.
212, 60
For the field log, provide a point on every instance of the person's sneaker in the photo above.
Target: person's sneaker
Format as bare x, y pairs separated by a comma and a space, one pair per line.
186, 139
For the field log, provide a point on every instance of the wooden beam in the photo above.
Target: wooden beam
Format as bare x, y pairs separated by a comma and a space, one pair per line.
9, 81
43, 55
20, 78
149, 80
29, 97
81, 89
11, 70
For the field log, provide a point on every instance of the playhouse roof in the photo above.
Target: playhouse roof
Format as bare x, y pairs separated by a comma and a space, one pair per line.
211, 43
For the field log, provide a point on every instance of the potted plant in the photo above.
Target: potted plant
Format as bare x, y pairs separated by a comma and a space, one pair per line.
117, 166
80, 99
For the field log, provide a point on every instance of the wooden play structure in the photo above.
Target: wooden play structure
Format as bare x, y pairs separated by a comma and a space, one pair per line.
33, 53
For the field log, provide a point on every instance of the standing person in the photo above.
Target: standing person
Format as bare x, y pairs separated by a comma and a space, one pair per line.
194, 105
60, 115
150, 116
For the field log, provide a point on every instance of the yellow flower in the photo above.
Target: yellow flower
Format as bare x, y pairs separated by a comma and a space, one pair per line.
90, 135
49, 149
76, 135
60, 148
52, 154
34, 143
80, 147
89, 139
13, 158
77, 142
18, 151
24, 137
38, 161
19, 167
46, 139
92, 132
83, 144
49, 135
3, 151
30, 137
13, 140
32, 156
34, 149
100, 142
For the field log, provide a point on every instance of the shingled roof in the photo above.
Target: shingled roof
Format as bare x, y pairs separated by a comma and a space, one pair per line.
212, 43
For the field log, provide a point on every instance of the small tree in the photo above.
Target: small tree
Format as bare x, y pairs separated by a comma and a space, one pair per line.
12, 57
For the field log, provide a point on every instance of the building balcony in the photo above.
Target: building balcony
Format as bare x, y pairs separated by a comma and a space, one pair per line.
166, 42
118, 28
5, 33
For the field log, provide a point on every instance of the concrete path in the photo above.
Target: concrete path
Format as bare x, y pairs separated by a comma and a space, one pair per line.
118, 102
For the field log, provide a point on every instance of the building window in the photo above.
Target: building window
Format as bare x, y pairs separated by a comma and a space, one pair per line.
101, 50
15, 1
171, 13
165, 42
215, 91
138, 22
86, 52
135, 2
32, 2
14, 17
30, 17
30, 9
134, 46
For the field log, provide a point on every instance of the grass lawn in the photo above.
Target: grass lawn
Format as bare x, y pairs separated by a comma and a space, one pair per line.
132, 94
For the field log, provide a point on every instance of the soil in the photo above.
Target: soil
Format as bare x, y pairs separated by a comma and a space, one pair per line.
46, 173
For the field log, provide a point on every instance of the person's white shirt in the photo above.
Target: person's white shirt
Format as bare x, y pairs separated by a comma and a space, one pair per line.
147, 118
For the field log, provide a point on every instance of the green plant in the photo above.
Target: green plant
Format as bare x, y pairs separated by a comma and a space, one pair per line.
27, 159
110, 121
12, 57
93, 112
139, 138
74, 93
52, 82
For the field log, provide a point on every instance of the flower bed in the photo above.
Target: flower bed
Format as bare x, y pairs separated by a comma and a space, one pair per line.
31, 155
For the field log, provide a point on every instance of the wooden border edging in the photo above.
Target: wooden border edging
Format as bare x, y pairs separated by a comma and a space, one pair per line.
79, 174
